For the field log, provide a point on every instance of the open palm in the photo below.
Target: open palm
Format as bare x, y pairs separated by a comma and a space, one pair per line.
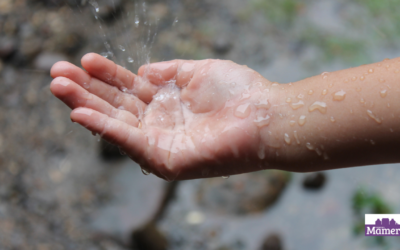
178, 119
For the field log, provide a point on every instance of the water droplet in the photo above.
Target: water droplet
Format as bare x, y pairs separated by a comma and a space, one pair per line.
292, 123
309, 146
396, 71
371, 71
300, 96
137, 21
354, 78
346, 80
122, 152
339, 96
124, 89
86, 85
326, 157
318, 151
383, 93
387, 66
325, 91
288, 100
362, 100
175, 21
297, 105
310, 92
262, 121
243, 110
263, 104
333, 119
381, 80
130, 60
287, 139
358, 89
320, 106
104, 54
330, 85
302, 120
245, 96
372, 142
274, 84
296, 137
225, 177
122, 48
324, 75
373, 117
388, 105
145, 172
362, 78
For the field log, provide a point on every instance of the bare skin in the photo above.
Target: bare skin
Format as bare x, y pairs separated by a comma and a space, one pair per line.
197, 119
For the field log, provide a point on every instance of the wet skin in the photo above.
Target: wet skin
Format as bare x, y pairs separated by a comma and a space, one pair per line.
196, 119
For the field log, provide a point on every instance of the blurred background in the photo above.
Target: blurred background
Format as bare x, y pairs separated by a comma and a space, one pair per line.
62, 188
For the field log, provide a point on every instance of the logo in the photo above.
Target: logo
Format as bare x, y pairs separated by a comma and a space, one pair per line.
382, 225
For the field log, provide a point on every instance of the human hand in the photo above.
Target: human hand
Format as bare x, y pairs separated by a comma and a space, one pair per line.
178, 119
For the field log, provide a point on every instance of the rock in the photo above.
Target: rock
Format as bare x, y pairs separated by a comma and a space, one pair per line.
222, 45
7, 47
314, 181
45, 60
272, 242
29, 48
242, 194
108, 10
149, 237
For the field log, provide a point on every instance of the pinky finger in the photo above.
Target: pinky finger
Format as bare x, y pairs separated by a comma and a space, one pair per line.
129, 138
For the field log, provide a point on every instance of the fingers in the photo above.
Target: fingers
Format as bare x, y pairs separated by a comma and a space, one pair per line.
161, 73
75, 96
130, 139
106, 92
115, 75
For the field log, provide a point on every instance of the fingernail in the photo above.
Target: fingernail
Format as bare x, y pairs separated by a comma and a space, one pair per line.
87, 112
162, 65
63, 82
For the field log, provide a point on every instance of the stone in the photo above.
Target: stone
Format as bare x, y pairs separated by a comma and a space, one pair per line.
149, 237
7, 47
45, 60
314, 181
272, 242
222, 45
242, 194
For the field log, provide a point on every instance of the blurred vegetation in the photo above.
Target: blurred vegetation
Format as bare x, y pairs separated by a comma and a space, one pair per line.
385, 17
364, 202
279, 12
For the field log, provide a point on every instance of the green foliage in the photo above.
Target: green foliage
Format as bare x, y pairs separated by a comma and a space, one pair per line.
383, 17
364, 202
279, 12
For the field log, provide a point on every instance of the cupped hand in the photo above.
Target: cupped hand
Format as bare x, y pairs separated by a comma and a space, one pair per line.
177, 119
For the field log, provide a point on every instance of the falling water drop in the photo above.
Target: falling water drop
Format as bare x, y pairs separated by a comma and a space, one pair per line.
122, 48
130, 60
145, 172
137, 21
175, 21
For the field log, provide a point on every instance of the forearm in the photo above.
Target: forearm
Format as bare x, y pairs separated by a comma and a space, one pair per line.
349, 118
